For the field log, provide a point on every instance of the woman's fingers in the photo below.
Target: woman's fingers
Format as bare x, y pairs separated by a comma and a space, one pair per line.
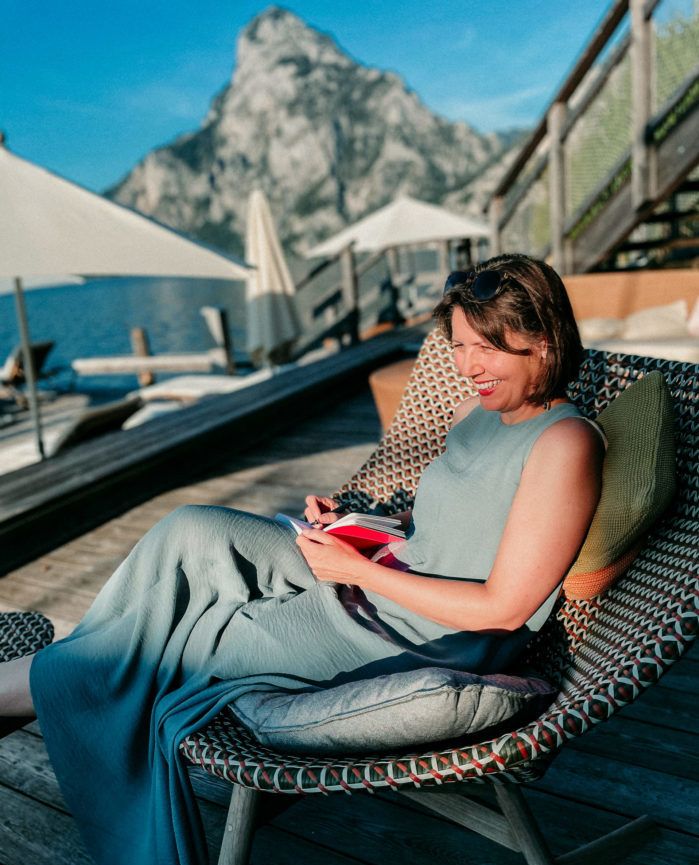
316, 506
318, 536
312, 512
328, 517
330, 559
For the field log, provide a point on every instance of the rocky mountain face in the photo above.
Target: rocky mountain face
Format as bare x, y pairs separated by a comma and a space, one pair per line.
327, 139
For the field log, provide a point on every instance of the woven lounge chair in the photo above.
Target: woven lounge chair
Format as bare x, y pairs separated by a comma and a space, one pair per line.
601, 653
12, 372
21, 634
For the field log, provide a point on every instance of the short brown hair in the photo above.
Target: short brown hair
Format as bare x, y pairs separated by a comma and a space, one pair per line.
534, 304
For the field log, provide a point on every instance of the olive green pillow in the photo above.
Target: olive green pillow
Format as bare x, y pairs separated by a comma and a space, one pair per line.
638, 479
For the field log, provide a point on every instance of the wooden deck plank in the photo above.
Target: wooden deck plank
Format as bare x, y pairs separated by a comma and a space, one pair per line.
639, 743
25, 768
282, 848
382, 831
683, 676
30, 835
568, 824
666, 708
623, 788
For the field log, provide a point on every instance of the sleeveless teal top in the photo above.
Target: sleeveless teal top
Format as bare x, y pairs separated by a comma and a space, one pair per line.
465, 495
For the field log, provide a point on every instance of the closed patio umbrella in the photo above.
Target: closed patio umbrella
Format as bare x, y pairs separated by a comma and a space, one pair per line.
272, 322
50, 225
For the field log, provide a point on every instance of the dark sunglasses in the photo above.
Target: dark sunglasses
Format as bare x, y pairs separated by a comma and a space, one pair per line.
482, 286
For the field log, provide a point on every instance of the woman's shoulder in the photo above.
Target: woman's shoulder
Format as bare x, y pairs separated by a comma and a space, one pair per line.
572, 434
464, 409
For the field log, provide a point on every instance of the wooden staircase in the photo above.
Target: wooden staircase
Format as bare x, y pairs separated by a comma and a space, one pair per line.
609, 177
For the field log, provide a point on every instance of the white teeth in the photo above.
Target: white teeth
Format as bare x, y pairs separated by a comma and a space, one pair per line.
487, 385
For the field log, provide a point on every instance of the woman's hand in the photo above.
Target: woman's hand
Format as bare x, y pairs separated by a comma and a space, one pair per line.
318, 510
331, 559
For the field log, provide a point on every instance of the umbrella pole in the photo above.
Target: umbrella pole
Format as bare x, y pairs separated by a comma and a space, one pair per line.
28, 360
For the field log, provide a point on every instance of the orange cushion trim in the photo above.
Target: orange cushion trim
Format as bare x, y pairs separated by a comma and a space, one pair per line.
582, 587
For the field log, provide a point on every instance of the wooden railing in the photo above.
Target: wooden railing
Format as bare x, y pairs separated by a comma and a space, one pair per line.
361, 293
620, 134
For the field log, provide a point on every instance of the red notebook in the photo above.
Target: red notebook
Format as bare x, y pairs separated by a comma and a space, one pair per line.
363, 531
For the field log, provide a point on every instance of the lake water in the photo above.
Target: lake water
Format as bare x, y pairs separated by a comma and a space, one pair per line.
96, 318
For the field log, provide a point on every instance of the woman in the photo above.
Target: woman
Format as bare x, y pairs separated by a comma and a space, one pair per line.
212, 602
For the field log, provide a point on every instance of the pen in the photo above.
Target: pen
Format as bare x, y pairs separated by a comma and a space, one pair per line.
340, 509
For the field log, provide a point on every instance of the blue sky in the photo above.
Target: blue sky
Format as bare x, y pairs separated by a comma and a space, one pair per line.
88, 88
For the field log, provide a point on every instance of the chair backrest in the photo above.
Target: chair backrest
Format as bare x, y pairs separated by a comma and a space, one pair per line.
11, 366
12, 371
623, 640
416, 435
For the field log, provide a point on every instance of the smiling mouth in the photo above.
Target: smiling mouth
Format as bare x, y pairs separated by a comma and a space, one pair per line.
485, 388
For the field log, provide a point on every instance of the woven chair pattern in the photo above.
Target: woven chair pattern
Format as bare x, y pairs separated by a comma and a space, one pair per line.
601, 653
23, 634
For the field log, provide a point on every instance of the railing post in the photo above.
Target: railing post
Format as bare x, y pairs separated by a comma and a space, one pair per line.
350, 292
28, 365
393, 263
641, 83
443, 256
495, 214
557, 203
216, 319
140, 345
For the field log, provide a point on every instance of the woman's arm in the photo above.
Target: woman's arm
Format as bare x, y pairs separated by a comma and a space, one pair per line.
550, 516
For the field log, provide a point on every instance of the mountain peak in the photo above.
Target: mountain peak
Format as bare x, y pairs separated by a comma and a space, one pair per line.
271, 19
277, 35
328, 140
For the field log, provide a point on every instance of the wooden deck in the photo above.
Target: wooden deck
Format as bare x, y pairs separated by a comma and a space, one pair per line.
48, 503
643, 761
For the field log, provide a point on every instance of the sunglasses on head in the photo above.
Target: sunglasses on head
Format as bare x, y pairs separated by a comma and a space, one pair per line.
482, 286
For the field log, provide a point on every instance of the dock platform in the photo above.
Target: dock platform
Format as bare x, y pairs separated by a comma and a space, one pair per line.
643, 761
45, 504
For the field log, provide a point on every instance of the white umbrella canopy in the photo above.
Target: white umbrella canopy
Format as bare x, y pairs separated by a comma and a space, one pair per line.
7, 286
272, 322
403, 222
49, 225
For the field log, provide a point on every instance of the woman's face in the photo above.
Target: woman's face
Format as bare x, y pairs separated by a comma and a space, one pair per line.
504, 381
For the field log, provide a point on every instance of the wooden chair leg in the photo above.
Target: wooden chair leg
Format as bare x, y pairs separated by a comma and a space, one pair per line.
614, 846
516, 827
523, 825
240, 826
607, 850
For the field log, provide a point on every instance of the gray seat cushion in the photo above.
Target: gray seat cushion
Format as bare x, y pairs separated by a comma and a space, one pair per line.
391, 711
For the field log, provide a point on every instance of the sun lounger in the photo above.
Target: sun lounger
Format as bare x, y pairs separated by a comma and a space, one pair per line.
12, 373
95, 421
